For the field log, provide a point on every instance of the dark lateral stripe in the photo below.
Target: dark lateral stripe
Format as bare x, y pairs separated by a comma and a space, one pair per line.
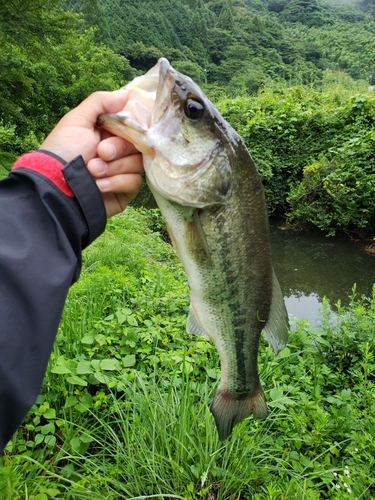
231, 279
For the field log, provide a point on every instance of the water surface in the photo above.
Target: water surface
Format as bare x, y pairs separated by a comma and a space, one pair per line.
310, 266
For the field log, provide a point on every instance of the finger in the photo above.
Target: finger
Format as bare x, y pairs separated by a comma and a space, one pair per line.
128, 164
122, 183
115, 203
114, 148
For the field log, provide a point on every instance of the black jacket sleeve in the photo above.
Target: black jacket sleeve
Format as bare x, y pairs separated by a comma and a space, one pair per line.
42, 233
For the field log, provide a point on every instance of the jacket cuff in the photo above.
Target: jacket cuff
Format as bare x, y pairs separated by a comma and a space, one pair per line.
47, 165
88, 196
74, 180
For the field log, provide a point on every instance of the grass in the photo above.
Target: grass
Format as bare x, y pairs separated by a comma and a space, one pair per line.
124, 408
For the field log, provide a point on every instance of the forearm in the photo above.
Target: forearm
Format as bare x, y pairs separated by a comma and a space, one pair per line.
43, 228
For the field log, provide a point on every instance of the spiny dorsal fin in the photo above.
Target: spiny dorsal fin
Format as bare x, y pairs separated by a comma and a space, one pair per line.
277, 327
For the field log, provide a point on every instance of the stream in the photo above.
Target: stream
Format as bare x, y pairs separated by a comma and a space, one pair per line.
310, 266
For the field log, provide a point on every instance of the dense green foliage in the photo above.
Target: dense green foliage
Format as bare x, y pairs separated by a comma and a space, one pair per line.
123, 412
240, 44
315, 153
47, 67
313, 145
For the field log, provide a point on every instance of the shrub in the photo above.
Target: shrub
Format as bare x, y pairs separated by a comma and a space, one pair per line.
338, 192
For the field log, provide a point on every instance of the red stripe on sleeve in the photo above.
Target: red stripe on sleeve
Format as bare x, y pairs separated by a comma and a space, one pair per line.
47, 166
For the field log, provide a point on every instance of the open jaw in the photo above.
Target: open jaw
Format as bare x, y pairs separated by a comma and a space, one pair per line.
148, 98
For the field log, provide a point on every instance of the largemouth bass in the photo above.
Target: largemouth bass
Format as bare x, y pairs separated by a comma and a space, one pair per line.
211, 196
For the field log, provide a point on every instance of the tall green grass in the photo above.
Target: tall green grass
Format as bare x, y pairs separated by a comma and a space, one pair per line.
124, 408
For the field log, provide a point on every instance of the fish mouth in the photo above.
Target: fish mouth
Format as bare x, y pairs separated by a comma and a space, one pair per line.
164, 67
163, 90
149, 95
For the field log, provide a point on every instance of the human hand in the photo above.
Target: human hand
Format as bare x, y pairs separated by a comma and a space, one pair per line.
114, 163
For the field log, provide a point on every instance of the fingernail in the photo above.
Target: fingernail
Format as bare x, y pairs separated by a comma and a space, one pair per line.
103, 184
111, 151
98, 167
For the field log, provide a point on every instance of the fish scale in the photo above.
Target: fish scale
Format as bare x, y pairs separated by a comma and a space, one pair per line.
211, 196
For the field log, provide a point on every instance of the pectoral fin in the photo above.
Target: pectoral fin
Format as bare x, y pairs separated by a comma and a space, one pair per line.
196, 239
276, 329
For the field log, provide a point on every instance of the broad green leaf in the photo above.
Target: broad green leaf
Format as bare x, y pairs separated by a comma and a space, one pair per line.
75, 380
86, 399
110, 364
128, 360
39, 438
132, 320
84, 367
41, 496
276, 393
212, 373
70, 401
101, 377
126, 311
60, 369
100, 339
81, 408
50, 413
87, 339
75, 443
123, 314
284, 352
186, 367
48, 428
95, 364
50, 440
86, 438
43, 407
120, 318
53, 492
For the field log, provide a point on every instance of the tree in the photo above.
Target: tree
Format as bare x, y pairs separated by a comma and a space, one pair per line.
218, 42
190, 69
93, 15
226, 21
51, 72
141, 56
34, 22
309, 12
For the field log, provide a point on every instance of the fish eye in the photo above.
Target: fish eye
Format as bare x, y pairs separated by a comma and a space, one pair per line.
194, 109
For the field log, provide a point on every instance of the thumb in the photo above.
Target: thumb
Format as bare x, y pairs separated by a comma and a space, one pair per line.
101, 102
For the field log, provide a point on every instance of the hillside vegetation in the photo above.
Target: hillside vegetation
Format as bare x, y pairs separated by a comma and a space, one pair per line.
291, 76
124, 407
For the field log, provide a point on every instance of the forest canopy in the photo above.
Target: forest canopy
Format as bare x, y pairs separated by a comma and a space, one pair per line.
54, 53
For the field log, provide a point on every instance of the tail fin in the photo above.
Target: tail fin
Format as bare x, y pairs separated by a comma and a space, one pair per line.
229, 409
